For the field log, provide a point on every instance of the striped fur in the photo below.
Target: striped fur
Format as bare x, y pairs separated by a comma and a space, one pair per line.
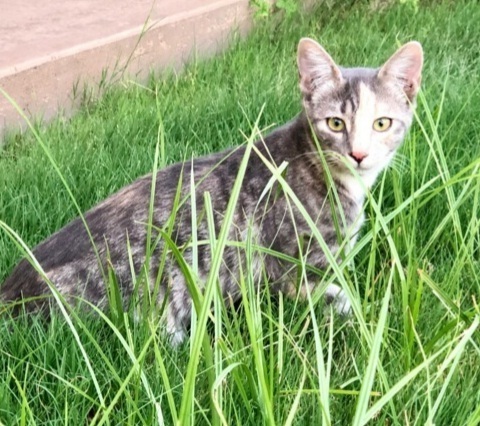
356, 96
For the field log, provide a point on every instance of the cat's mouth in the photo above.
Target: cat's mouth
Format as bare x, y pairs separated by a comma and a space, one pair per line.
359, 166
347, 163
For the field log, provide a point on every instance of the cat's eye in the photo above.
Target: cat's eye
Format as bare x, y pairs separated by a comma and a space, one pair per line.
382, 124
336, 124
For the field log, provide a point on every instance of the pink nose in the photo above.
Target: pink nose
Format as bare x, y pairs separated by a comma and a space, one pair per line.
358, 156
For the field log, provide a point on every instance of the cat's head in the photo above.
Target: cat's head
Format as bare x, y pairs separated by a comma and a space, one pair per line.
360, 115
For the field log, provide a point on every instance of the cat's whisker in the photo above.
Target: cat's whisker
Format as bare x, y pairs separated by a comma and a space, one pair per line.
315, 155
400, 163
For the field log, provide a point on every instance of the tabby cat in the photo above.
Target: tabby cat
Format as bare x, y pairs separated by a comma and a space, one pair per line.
357, 117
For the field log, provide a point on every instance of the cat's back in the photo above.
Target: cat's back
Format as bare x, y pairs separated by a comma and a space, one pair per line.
70, 257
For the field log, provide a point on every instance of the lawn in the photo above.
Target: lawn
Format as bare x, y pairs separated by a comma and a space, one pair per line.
411, 352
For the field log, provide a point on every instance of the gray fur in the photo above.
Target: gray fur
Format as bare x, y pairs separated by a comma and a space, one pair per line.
328, 91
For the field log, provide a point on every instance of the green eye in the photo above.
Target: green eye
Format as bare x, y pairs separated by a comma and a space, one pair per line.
336, 124
382, 124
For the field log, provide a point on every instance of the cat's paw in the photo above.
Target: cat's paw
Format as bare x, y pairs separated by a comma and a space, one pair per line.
175, 334
336, 297
176, 338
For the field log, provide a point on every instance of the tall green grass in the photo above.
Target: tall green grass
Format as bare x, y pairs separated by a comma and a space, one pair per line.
409, 355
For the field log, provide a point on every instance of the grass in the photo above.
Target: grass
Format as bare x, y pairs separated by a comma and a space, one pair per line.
410, 354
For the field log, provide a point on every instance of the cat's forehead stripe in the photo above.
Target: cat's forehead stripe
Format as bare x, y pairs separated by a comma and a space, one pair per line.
350, 98
349, 104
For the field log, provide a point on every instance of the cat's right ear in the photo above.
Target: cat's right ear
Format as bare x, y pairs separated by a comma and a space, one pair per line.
405, 68
315, 66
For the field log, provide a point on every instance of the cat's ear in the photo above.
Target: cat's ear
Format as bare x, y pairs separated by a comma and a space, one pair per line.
315, 66
405, 67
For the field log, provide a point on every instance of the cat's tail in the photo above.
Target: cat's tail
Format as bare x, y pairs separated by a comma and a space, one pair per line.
23, 285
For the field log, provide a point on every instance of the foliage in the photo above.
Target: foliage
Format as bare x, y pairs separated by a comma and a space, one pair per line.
409, 355
265, 8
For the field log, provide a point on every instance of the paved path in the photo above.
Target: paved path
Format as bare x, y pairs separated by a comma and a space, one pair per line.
47, 48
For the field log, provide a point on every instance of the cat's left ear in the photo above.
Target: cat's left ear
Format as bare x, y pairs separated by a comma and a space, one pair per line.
315, 66
405, 66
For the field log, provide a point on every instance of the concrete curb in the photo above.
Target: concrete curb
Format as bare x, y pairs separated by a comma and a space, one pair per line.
44, 85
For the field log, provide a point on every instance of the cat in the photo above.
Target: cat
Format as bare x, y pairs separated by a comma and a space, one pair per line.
358, 116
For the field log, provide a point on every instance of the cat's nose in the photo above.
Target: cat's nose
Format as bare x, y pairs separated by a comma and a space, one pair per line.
358, 156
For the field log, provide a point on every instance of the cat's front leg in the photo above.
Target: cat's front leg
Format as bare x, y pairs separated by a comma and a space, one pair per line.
335, 296
179, 310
